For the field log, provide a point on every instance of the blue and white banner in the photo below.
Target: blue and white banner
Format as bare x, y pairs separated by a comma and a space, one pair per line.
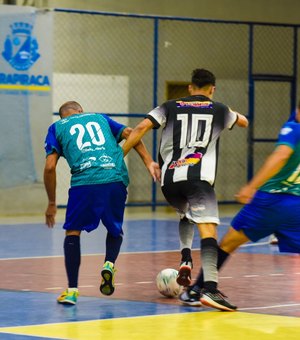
25, 92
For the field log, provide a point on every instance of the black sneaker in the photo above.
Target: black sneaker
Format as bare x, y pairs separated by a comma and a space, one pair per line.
216, 299
184, 277
190, 298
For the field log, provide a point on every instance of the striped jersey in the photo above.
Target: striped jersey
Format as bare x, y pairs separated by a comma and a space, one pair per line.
89, 142
189, 140
287, 180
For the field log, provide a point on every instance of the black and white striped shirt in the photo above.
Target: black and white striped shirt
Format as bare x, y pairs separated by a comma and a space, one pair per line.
189, 140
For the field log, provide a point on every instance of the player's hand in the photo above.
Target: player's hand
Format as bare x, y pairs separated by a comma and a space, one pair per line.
245, 194
50, 214
155, 171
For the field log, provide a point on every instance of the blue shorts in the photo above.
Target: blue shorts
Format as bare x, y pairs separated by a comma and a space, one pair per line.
90, 204
268, 214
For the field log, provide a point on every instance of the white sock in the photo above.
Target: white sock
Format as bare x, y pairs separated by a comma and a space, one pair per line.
186, 234
72, 290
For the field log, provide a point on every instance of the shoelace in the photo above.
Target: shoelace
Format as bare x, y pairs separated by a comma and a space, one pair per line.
217, 292
222, 294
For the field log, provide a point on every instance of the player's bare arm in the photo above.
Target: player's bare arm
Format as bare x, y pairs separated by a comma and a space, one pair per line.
50, 186
242, 121
273, 164
137, 134
141, 149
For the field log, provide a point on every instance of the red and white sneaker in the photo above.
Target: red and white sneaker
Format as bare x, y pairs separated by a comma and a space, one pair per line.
184, 277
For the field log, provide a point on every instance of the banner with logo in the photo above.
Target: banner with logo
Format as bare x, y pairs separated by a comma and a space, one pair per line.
25, 92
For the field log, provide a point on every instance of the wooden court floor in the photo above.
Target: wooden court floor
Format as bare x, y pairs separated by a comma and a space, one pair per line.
261, 282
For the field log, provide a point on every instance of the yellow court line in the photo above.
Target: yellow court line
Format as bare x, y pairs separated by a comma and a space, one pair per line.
25, 87
192, 326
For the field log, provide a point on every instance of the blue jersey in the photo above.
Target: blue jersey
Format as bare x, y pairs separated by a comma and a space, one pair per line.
89, 142
287, 180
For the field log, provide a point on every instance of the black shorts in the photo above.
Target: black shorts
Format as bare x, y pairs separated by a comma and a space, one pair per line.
196, 200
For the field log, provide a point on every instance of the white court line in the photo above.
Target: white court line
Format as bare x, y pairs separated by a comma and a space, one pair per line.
92, 286
35, 257
79, 287
239, 309
254, 244
268, 307
53, 288
127, 253
251, 275
153, 282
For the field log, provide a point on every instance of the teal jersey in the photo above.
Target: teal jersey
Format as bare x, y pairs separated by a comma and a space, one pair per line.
287, 180
89, 142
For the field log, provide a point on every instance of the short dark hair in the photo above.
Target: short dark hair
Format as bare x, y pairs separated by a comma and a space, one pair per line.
202, 77
69, 105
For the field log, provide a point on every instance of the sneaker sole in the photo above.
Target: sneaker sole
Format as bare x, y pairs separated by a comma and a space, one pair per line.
184, 276
211, 303
106, 287
192, 304
67, 302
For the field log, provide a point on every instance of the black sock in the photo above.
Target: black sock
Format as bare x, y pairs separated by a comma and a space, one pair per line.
72, 259
222, 257
113, 245
186, 255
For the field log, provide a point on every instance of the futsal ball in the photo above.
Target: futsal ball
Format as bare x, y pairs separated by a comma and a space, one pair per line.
166, 283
